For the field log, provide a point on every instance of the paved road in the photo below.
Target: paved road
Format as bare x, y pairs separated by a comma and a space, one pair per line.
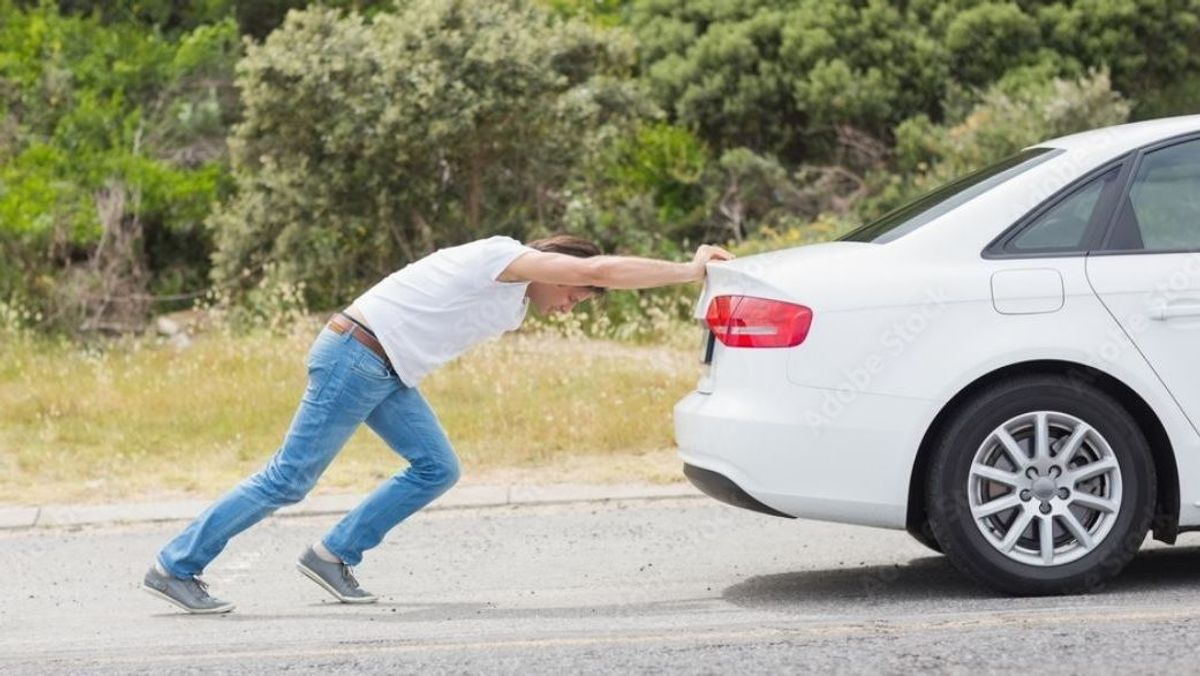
687, 586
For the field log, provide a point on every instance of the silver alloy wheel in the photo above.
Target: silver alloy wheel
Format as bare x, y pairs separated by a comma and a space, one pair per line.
1044, 488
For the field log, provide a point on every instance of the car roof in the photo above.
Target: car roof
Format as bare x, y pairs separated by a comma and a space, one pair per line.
1122, 138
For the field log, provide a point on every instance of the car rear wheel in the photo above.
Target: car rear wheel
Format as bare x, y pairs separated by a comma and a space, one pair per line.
1040, 485
924, 535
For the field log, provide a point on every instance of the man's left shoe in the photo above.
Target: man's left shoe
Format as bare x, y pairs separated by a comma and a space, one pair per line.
189, 593
335, 578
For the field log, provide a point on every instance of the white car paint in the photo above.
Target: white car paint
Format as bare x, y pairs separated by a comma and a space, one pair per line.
830, 429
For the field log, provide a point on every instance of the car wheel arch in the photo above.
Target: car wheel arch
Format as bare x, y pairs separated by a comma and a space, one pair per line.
1166, 514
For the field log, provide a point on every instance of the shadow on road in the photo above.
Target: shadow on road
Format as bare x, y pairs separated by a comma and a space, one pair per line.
1160, 570
924, 578
934, 578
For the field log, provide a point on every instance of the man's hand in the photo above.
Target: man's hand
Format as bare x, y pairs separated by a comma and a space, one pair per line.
706, 253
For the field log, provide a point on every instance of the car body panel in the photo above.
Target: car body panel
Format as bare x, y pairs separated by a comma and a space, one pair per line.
842, 471
1161, 327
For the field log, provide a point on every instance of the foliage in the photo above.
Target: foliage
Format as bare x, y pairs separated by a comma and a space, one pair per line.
1180, 96
607, 13
368, 132
780, 76
367, 144
644, 193
660, 190
823, 229
1146, 44
255, 19
88, 109
775, 76
1004, 121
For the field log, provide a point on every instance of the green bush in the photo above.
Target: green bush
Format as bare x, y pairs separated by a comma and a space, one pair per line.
1146, 44
985, 41
367, 144
781, 76
777, 76
88, 109
1005, 120
368, 132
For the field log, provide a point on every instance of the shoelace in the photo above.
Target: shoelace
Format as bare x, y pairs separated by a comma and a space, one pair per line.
348, 576
201, 587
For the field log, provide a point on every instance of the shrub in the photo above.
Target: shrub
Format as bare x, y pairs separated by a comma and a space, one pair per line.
367, 144
1005, 119
88, 111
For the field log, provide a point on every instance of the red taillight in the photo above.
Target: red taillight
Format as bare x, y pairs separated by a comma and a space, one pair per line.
746, 321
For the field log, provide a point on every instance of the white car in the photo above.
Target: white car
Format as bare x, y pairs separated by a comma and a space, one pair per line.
1007, 367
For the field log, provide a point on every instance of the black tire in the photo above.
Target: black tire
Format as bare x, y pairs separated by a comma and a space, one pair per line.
948, 504
925, 537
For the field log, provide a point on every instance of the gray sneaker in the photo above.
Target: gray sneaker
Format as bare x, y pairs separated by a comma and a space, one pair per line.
191, 594
335, 578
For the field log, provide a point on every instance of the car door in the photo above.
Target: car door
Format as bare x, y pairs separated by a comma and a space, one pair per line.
1146, 270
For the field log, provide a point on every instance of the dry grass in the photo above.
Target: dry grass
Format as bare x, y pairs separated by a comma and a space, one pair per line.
141, 419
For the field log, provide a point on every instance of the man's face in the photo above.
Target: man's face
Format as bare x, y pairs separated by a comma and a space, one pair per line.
556, 298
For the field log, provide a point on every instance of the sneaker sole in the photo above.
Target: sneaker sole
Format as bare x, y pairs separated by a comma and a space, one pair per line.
195, 611
312, 575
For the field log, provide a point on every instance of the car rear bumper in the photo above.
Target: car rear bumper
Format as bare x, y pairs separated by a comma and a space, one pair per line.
720, 487
774, 449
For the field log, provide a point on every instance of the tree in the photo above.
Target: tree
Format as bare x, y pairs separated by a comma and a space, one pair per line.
1005, 120
1146, 44
254, 18
366, 144
780, 77
107, 134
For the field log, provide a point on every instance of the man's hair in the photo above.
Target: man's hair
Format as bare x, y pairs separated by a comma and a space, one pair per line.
570, 245
566, 244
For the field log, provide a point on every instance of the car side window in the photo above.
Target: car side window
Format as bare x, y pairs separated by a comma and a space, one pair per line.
1162, 210
1063, 227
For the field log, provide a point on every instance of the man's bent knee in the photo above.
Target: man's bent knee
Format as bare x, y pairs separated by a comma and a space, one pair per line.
442, 474
276, 490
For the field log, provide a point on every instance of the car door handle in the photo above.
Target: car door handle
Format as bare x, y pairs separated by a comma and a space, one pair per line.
1177, 309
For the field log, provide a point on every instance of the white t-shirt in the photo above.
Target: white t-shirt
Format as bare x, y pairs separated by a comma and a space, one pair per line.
434, 309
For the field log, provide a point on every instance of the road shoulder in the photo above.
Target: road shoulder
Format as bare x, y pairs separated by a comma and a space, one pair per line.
483, 495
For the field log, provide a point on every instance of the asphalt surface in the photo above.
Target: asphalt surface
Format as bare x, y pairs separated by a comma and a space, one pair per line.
674, 586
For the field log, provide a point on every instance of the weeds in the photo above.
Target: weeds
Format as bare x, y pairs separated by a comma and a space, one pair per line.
138, 417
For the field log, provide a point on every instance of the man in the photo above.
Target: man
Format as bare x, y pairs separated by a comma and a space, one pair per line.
365, 365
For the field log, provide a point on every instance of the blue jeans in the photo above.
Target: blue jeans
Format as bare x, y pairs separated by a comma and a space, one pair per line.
347, 384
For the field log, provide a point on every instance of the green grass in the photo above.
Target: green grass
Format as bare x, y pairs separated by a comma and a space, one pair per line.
140, 419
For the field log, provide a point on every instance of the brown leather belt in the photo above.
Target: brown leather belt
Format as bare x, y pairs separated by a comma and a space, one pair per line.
340, 323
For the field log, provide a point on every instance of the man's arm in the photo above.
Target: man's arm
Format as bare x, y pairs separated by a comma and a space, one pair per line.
610, 272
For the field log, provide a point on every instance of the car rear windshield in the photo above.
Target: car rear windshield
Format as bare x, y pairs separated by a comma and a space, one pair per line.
905, 219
